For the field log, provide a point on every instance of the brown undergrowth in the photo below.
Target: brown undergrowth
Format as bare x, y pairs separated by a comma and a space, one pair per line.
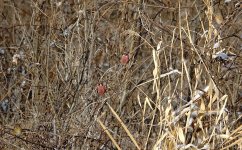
179, 85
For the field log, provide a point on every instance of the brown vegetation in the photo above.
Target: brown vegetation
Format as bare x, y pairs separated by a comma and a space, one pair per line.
120, 74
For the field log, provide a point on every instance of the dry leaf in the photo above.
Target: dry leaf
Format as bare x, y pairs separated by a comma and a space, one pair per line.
181, 135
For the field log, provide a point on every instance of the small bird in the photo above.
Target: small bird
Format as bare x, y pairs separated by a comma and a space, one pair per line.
124, 59
101, 89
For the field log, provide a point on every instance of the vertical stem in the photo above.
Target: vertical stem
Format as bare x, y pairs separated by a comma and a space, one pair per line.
182, 50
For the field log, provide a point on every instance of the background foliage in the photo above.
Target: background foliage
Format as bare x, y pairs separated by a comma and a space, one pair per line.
181, 88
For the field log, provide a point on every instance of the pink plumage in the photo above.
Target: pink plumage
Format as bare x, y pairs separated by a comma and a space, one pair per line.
101, 89
124, 59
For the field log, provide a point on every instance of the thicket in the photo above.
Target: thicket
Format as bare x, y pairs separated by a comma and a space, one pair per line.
120, 74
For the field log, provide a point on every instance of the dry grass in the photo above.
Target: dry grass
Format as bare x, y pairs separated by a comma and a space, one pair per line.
182, 88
